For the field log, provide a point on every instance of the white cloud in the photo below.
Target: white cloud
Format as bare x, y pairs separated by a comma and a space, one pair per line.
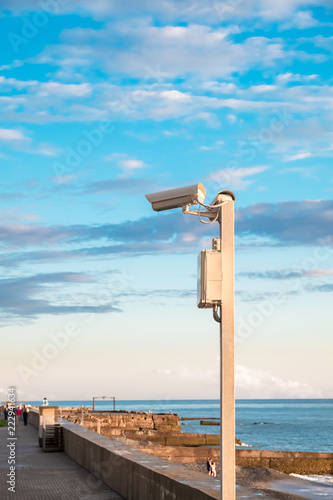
46, 149
319, 273
64, 89
207, 58
114, 156
189, 237
234, 178
258, 89
295, 77
323, 42
298, 156
19, 84
126, 164
180, 51
63, 179
284, 9
14, 64
213, 11
211, 119
258, 384
232, 119
7, 134
131, 164
216, 145
175, 95
219, 87
302, 20
155, 102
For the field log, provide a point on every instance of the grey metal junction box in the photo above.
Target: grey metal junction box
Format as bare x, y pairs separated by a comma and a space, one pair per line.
209, 291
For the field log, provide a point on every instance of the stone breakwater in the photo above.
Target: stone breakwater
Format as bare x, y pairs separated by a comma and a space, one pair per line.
119, 423
289, 462
153, 428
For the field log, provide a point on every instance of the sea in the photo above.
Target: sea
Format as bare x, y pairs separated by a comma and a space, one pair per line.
270, 424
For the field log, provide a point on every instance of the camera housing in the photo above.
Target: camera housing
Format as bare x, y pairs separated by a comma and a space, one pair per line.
176, 198
223, 196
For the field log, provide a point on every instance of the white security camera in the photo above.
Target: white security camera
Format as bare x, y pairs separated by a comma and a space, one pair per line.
175, 198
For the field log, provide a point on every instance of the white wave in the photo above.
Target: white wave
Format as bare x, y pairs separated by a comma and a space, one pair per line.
265, 423
246, 445
319, 479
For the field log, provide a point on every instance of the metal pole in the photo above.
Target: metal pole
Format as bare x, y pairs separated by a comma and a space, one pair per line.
227, 363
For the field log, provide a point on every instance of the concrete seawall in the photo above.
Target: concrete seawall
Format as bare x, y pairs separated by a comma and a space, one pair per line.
33, 418
133, 474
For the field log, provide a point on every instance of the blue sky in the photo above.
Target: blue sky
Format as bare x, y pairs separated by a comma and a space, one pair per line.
103, 102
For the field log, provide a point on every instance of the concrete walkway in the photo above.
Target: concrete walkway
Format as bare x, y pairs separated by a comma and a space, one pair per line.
45, 476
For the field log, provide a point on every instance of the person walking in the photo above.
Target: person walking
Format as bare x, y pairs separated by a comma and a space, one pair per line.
25, 414
18, 413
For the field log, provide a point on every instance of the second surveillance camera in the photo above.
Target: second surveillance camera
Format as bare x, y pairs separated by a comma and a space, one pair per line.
175, 198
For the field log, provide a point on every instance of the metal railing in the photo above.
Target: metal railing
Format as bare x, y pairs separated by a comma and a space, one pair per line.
103, 398
53, 438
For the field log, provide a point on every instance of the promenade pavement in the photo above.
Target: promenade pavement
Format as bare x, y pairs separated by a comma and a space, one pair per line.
45, 476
